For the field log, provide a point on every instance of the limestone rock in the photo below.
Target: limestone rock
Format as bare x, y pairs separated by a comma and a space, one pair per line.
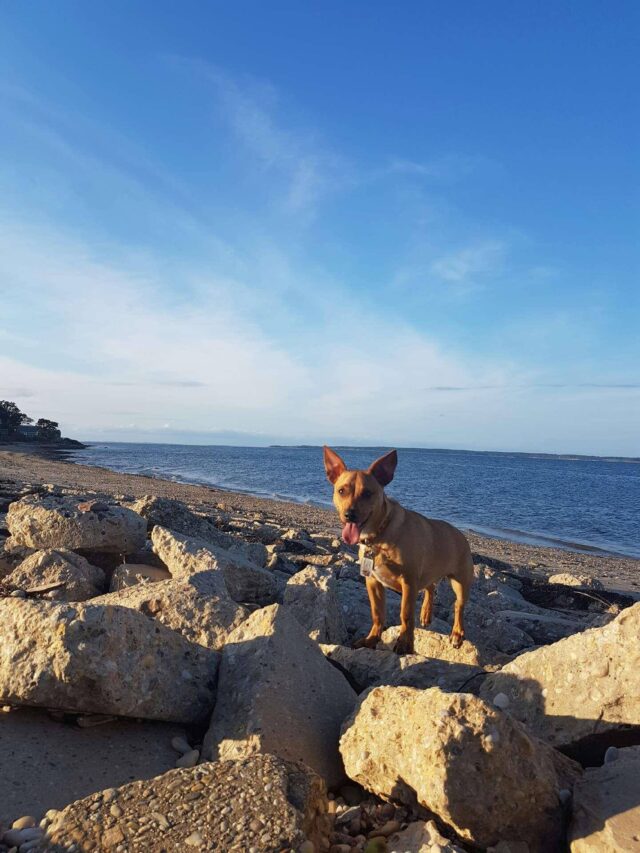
473, 766
63, 521
277, 693
433, 644
198, 606
105, 660
80, 580
581, 684
130, 574
421, 837
174, 515
311, 597
606, 807
185, 556
260, 803
370, 667
585, 581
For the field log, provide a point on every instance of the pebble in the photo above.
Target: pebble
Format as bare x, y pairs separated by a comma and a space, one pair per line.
24, 822
108, 794
180, 745
610, 755
564, 795
18, 837
386, 829
501, 700
194, 840
307, 847
115, 810
18, 593
189, 759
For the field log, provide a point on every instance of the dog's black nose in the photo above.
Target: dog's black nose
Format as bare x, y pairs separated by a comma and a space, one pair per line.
350, 515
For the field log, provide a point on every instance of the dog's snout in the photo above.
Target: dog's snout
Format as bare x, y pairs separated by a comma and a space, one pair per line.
350, 514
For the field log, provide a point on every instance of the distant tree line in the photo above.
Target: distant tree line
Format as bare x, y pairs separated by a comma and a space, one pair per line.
11, 419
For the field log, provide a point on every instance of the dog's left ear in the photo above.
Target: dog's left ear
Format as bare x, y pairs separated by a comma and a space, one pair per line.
384, 468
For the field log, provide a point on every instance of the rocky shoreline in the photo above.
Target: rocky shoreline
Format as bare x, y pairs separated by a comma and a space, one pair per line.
176, 674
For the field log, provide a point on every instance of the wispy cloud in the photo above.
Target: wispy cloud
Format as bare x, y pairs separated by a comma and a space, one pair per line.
307, 169
468, 264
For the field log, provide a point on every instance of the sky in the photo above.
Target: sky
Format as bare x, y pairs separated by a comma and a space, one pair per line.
410, 224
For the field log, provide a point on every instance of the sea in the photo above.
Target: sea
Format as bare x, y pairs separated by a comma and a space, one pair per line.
573, 502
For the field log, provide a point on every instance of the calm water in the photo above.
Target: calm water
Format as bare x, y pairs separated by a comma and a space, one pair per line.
578, 503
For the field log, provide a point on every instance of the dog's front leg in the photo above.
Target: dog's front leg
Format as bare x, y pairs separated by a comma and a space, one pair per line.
404, 643
377, 601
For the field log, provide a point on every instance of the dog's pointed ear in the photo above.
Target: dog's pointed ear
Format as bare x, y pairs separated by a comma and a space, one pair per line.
333, 465
384, 468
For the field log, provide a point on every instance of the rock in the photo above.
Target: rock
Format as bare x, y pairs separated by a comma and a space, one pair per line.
105, 660
174, 515
180, 745
52, 521
584, 581
198, 606
24, 822
284, 802
311, 597
246, 583
80, 580
431, 644
275, 680
130, 574
606, 807
421, 837
370, 667
577, 686
189, 759
48, 763
474, 767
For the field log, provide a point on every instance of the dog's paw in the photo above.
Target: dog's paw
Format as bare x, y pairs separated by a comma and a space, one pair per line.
456, 638
404, 645
425, 620
366, 642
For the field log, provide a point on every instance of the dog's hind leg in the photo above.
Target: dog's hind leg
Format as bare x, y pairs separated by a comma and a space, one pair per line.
427, 606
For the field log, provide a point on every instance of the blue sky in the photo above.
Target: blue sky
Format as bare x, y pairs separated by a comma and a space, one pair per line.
411, 224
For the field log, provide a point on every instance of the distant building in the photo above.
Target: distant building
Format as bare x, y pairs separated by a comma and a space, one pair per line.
4, 433
28, 432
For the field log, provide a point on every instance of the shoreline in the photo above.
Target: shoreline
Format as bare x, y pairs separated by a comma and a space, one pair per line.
38, 465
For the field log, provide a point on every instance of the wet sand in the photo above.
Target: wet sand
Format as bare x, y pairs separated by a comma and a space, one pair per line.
38, 464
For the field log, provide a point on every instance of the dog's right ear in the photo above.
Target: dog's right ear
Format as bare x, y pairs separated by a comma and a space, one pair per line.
333, 465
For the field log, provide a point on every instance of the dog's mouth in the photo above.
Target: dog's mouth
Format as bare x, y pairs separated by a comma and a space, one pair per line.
351, 531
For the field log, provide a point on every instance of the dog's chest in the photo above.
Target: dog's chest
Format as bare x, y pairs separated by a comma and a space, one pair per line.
375, 565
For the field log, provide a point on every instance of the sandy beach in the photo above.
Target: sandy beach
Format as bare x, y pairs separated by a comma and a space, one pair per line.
33, 464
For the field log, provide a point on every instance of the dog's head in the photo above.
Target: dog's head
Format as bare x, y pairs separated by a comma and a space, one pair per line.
358, 495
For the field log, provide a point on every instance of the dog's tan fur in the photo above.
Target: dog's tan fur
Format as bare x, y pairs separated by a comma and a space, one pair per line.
411, 552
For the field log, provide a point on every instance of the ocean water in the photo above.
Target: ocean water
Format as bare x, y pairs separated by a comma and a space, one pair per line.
578, 503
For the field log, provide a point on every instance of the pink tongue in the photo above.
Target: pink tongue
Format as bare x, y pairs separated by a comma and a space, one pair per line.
351, 533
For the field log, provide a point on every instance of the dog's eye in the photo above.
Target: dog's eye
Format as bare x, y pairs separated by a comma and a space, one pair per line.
366, 493
341, 490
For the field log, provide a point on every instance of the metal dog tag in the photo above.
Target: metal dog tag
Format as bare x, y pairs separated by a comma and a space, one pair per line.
366, 563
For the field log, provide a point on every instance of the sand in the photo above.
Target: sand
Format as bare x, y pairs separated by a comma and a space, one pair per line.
37, 464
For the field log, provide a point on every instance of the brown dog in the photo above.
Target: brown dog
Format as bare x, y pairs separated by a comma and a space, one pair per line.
399, 548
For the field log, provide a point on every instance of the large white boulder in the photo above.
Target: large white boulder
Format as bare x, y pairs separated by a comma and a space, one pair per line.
585, 683
64, 521
103, 660
311, 596
278, 694
477, 769
606, 806
68, 576
185, 556
198, 606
